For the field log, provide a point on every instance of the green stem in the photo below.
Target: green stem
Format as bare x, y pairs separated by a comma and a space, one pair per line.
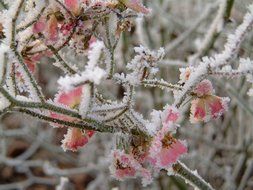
161, 84
195, 180
111, 49
62, 62
19, 57
32, 22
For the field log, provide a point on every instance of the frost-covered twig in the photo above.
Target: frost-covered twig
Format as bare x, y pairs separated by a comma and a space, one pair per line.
13, 44
191, 177
215, 29
160, 84
231, 47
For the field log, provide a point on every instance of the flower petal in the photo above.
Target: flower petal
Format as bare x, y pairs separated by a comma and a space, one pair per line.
204, 88
199, 110
74, 139
217, 105
71, 98
52, 28
169, 156
39, 26
165, 150
73, 6
123, 165
170, 114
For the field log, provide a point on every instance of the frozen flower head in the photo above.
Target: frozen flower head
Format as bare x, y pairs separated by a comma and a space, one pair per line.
135, 5
125, 166
210, 107
71, 98
203, 88
207, 106
165, 150
170, 114
73, 6
139, 148
48, 27
40, 25
75, 137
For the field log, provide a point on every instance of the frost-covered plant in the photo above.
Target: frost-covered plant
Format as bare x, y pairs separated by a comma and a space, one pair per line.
81, 38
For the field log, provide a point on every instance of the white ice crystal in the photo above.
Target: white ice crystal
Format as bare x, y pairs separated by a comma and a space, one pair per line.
155, 123
250, 92
94, 54
4, 102
145, 59
85, 100
92, 72
63, 184
95, 76
246, 65
3, 50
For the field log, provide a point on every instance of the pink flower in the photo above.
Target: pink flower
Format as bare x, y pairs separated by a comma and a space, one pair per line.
126, 166
52, 28
73, 6
170, 114
165, 150
210, 107
48, 27
207, 106
136, 5
75, 137
123, 166
66, 28
204, 88
39, 26
71, 98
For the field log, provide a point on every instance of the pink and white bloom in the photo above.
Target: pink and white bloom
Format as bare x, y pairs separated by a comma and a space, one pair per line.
204, 88
75, 137
207, 106
123, 165
170, 114
165, 150
126, 166
210, 107
73, 6
48, 27
71, 98
52, 28
40, 25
